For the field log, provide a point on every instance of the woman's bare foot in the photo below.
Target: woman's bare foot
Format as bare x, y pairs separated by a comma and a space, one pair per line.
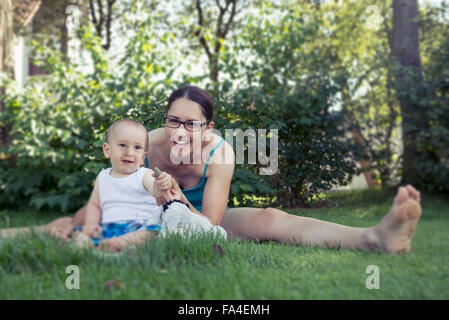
395, 230
61, 228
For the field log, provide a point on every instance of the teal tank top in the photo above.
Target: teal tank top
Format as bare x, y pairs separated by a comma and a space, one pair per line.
195, 195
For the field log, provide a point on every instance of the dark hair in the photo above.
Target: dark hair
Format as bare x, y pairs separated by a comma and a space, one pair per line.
113, 127
197, 95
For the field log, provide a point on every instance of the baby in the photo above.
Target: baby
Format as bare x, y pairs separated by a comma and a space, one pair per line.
122, 208
123, 197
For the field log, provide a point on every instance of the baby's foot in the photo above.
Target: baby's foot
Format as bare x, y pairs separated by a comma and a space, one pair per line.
82, 240
113, 245
395, 230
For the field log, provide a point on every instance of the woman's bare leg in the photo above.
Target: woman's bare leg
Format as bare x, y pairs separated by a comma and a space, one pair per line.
393, 234
61, 227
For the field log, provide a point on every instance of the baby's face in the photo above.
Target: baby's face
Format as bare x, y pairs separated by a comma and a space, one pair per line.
126, 148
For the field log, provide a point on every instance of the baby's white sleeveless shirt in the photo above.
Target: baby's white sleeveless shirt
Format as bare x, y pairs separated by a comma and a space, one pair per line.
126, 198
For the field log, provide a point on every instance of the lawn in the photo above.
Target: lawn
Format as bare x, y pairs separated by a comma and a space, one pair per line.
34, 267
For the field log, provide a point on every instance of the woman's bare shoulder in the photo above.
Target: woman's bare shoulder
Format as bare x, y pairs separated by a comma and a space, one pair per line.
224, 154
226, 146
156, 136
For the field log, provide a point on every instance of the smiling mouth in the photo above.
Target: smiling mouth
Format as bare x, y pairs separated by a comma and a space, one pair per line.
127, 161
181, 142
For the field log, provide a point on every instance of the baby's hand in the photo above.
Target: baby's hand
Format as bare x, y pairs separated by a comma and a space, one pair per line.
161, 186
163, 181
92, 230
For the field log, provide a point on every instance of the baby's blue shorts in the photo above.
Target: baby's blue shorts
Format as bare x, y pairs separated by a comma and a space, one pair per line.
119, 228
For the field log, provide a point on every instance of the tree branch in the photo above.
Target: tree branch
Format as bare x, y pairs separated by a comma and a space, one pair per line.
220, 20
108, 24
100, 23
218, 4
231, 18
92, 12
198, 33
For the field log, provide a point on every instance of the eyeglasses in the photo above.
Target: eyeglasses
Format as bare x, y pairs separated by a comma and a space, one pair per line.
189, 125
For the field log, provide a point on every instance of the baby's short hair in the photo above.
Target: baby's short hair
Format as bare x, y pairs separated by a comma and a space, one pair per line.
114, 126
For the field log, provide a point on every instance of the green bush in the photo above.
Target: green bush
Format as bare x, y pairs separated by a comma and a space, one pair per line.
288, 85
433, 146
60, 122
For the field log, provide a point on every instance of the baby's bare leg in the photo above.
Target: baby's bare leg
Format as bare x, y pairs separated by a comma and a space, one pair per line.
133, 238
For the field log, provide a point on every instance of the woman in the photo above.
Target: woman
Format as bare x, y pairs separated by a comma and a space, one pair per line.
194, 156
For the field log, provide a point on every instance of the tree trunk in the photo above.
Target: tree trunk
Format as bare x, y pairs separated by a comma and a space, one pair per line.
102, 19
6, 60
357, 136
222, 28
213, 65
405, 52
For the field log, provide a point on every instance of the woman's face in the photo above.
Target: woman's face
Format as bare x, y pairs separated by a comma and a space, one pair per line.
181, 140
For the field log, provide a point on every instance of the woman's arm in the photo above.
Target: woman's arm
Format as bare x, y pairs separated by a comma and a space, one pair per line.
216, 191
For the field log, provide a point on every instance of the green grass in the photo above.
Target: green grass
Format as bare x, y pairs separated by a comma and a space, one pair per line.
33, 267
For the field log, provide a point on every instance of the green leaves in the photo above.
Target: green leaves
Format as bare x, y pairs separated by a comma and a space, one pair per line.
289, 83
59, 121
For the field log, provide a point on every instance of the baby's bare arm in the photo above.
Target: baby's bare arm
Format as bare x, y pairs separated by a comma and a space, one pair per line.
159, 186
148, 181
93, 212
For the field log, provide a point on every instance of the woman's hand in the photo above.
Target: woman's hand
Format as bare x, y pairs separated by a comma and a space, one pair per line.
175, 190
174, 193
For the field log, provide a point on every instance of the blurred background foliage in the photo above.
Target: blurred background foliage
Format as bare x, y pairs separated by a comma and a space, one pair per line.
314, 70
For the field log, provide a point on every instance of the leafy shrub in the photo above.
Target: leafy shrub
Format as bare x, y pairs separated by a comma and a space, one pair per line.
288, 86
60, 122
433, 146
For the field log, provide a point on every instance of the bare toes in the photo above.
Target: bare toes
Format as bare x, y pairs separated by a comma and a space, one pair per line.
417, 195
402, 196
399, 224
412, 192
110, 246
414, 209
